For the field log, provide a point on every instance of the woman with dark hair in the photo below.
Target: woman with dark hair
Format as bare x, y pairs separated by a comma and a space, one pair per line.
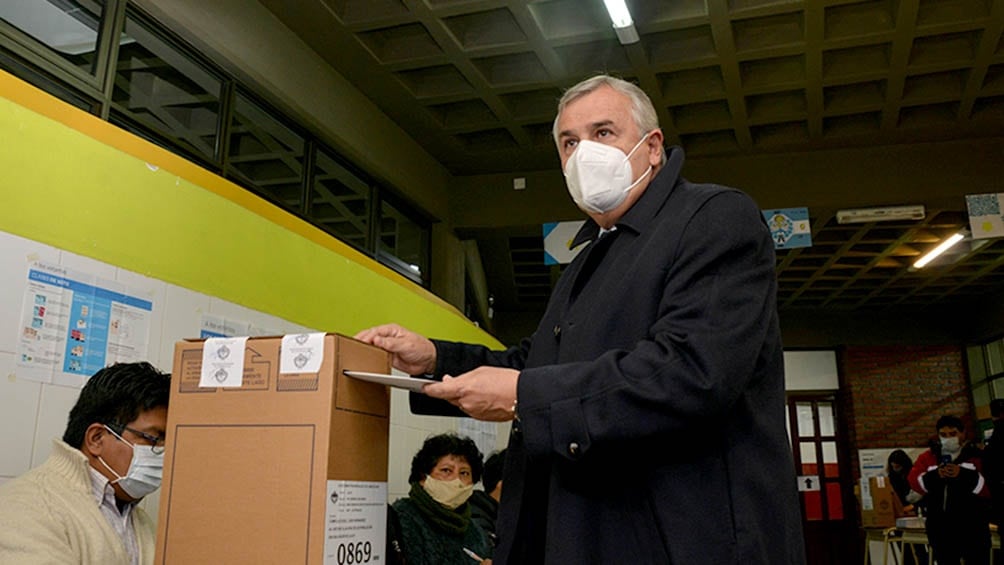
435, 518
898, 468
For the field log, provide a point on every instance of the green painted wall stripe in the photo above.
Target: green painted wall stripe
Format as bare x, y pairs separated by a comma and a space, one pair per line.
80, 184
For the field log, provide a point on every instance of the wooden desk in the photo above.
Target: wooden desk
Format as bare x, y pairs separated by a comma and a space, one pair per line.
896, 540
911, 537
880, 535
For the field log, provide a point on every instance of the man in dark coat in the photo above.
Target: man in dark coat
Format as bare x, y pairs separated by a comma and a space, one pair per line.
648, 405
950, 477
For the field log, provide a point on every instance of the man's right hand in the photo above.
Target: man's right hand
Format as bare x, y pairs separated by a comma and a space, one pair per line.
412, 353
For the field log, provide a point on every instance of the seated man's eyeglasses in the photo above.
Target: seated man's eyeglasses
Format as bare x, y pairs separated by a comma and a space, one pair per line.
155, 443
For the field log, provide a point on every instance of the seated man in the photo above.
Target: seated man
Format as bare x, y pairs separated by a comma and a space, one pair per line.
80, 505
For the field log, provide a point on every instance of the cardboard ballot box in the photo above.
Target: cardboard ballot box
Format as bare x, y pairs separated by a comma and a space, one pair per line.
284, 468
879, 504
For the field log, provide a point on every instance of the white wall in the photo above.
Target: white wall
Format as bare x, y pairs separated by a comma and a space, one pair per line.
33, 413
810, 370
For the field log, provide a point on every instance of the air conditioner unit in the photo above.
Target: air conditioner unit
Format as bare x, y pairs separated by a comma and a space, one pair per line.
881, 214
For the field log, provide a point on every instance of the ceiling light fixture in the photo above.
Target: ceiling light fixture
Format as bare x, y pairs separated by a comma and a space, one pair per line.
937, 251
621, 18
881, 214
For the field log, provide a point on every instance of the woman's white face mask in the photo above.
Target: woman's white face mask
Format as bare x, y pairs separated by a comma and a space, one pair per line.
450, 494
599, 176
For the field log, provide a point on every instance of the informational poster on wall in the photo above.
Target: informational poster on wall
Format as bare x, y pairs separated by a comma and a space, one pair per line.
219, 326
484, 434
74, 324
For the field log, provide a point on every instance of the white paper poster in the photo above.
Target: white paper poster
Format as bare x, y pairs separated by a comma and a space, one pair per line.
74, 324
356, 530
223, 362
484, 434
218, 326
301, 353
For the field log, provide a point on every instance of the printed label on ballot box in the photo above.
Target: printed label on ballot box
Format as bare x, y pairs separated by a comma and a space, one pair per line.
356, 531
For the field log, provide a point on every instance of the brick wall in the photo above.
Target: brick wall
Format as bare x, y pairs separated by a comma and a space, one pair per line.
893, 395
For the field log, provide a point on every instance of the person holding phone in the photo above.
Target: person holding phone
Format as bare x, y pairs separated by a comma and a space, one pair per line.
949, 475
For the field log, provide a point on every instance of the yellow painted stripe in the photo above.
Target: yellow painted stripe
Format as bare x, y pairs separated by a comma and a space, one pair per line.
81, 184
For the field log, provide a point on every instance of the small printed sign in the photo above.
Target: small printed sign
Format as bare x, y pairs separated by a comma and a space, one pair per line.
356, 522
223, 362
301, 353
808, 483
985, 219
789, 227
558, 238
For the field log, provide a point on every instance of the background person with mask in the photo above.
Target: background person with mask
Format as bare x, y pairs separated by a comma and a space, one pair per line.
659, 353
956, 496
435, 518
80, 505
485, 503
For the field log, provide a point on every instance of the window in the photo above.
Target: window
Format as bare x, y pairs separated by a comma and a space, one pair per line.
151, 83
40, 79
68, 29
167, 91
266, 154
339, 201
403, 243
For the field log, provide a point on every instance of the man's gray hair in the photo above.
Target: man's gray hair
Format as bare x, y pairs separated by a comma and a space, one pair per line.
641, 106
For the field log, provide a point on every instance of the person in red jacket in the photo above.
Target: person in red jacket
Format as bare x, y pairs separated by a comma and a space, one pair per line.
950, 477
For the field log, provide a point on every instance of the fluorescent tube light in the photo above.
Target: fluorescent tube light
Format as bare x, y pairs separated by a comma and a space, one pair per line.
619, 13
881, 214
937, 251
623, 24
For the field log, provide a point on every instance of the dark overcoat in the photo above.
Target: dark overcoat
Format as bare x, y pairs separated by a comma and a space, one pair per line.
651, 396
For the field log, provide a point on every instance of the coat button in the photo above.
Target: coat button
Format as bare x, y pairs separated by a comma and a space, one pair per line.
573, 448
557, 330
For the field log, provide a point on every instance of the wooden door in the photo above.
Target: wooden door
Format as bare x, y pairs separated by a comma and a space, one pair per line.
829, 517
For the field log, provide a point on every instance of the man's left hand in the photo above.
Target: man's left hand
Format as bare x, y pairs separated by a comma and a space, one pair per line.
486, 393
948, 471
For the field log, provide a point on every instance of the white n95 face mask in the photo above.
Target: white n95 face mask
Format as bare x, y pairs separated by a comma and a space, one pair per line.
950, 445
599, 176
146, 469
450, 494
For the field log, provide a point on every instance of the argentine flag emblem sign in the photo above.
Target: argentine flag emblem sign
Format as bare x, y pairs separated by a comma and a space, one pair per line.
557, 239
789, 227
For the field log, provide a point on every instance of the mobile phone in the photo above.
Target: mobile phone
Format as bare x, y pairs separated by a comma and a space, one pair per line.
945, 460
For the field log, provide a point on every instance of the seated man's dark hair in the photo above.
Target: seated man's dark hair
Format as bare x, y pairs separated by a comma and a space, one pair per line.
439, 446
115, 396
493, 470
951, 422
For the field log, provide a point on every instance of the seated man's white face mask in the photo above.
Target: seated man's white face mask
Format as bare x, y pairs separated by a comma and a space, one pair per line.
599, 176
145, 470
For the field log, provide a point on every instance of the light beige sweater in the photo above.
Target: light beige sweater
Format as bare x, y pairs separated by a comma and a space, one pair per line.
48, 516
